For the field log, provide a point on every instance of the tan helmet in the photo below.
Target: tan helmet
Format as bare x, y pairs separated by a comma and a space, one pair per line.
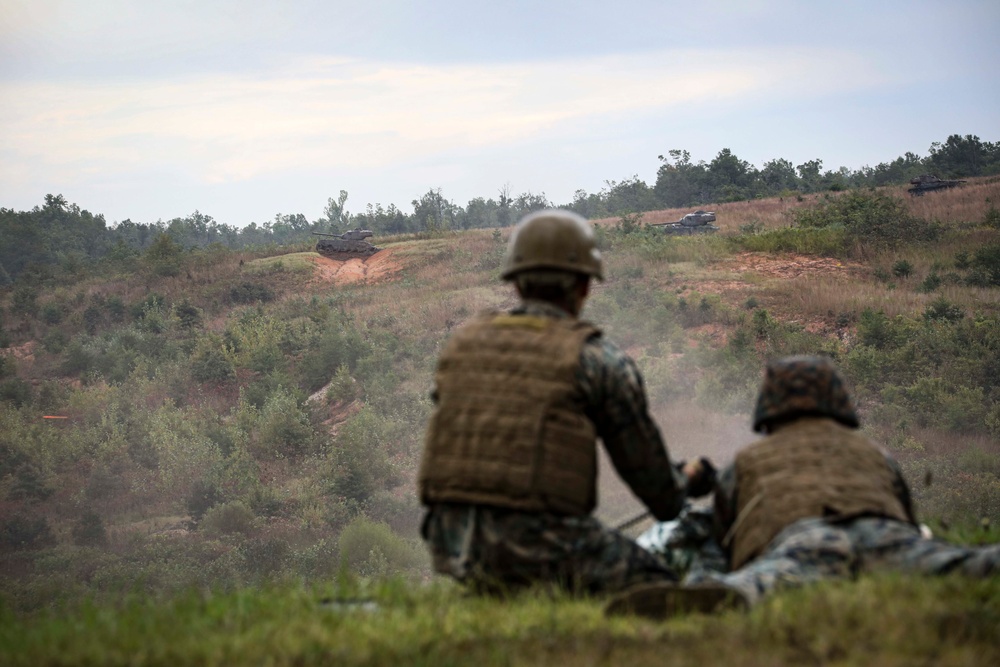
553, 239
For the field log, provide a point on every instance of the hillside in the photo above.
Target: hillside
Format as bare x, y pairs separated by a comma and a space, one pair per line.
228, 421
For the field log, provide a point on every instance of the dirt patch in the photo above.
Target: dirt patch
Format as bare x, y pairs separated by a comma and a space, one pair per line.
789, 266
25, 353
356, 269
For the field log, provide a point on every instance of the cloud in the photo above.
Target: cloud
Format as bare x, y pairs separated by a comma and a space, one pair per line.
341, 113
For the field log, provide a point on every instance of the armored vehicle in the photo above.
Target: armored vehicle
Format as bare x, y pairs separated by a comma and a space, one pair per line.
928, 182
692, 223
350, 244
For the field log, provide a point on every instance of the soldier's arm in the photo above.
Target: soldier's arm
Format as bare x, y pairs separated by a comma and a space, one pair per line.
724, 513
901, 488
616, 403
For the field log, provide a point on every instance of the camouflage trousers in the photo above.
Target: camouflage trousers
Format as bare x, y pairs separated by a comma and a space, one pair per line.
814, 549
495, 550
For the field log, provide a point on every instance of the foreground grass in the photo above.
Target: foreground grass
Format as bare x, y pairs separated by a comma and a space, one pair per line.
883, 620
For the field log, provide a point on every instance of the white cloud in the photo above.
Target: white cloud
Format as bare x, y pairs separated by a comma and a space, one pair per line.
341, 113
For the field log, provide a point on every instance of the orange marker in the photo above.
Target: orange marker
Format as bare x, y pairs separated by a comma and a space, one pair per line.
53, 417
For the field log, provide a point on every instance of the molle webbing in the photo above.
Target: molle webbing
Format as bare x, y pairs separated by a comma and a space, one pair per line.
811, 468
509, 429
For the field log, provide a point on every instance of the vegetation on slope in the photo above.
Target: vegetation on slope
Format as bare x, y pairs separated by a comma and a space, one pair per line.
231, 421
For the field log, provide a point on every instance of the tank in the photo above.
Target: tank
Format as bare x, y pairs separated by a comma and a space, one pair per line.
692, 223
928, 182
348, 245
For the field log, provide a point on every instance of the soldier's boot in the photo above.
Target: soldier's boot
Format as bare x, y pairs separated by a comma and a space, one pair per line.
665, 600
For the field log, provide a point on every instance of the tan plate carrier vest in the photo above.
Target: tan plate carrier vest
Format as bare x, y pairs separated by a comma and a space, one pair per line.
813, 467
508, 429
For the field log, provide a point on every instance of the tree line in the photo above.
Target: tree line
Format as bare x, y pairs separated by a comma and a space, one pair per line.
59, 234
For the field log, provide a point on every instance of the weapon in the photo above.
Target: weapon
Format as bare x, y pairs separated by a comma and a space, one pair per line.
625, 525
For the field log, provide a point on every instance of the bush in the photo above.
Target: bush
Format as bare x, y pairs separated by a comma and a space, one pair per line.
992, 217
930, 283
251, 293
30, 484
902, 268
89, 530
371, 549
15, 391
228, 518
204, 496
188, 316
986, 266
52, 313
164, 256
871, 220
210, 364
20, 533
942, 309
284, 428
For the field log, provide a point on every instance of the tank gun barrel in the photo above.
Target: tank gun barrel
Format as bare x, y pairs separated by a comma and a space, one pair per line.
339, 236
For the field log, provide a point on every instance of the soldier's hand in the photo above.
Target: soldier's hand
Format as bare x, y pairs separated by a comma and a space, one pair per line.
701, 476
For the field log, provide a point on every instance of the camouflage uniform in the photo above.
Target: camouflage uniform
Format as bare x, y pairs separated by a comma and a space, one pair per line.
818, 502
687, 544
813, 549
496, 548
807, 396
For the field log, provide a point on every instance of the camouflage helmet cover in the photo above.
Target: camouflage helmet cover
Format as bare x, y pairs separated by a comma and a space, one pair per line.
801, 386
553, 239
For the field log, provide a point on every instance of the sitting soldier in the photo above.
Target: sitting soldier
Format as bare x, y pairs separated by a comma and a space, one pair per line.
509, 469
812, 500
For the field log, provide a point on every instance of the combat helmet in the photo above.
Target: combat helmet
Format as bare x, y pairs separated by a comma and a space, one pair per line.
553, 239
803, 386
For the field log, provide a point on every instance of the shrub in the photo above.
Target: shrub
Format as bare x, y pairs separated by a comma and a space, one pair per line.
24, 299
152, 302
210, 364
930, 283
19, 533
284, 428
248, 292
30, 484
371, 548
265, 556
228, 518
164, 256
986, 266
52, 313
902, 268
204, 496
187, 314
942, 309
105, 482
89, 530
992, 217
92, 317
962, 260
15, 391
342, 387
872, 220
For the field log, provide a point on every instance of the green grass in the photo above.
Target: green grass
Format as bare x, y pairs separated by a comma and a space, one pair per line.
883, 620
295, 262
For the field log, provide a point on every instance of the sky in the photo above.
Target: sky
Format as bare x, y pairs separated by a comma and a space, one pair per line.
247, 109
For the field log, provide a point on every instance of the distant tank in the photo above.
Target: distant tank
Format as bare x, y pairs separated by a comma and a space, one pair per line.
928, 182
692, 223
348, 245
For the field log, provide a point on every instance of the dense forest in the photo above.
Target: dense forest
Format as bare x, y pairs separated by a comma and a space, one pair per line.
59, 235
